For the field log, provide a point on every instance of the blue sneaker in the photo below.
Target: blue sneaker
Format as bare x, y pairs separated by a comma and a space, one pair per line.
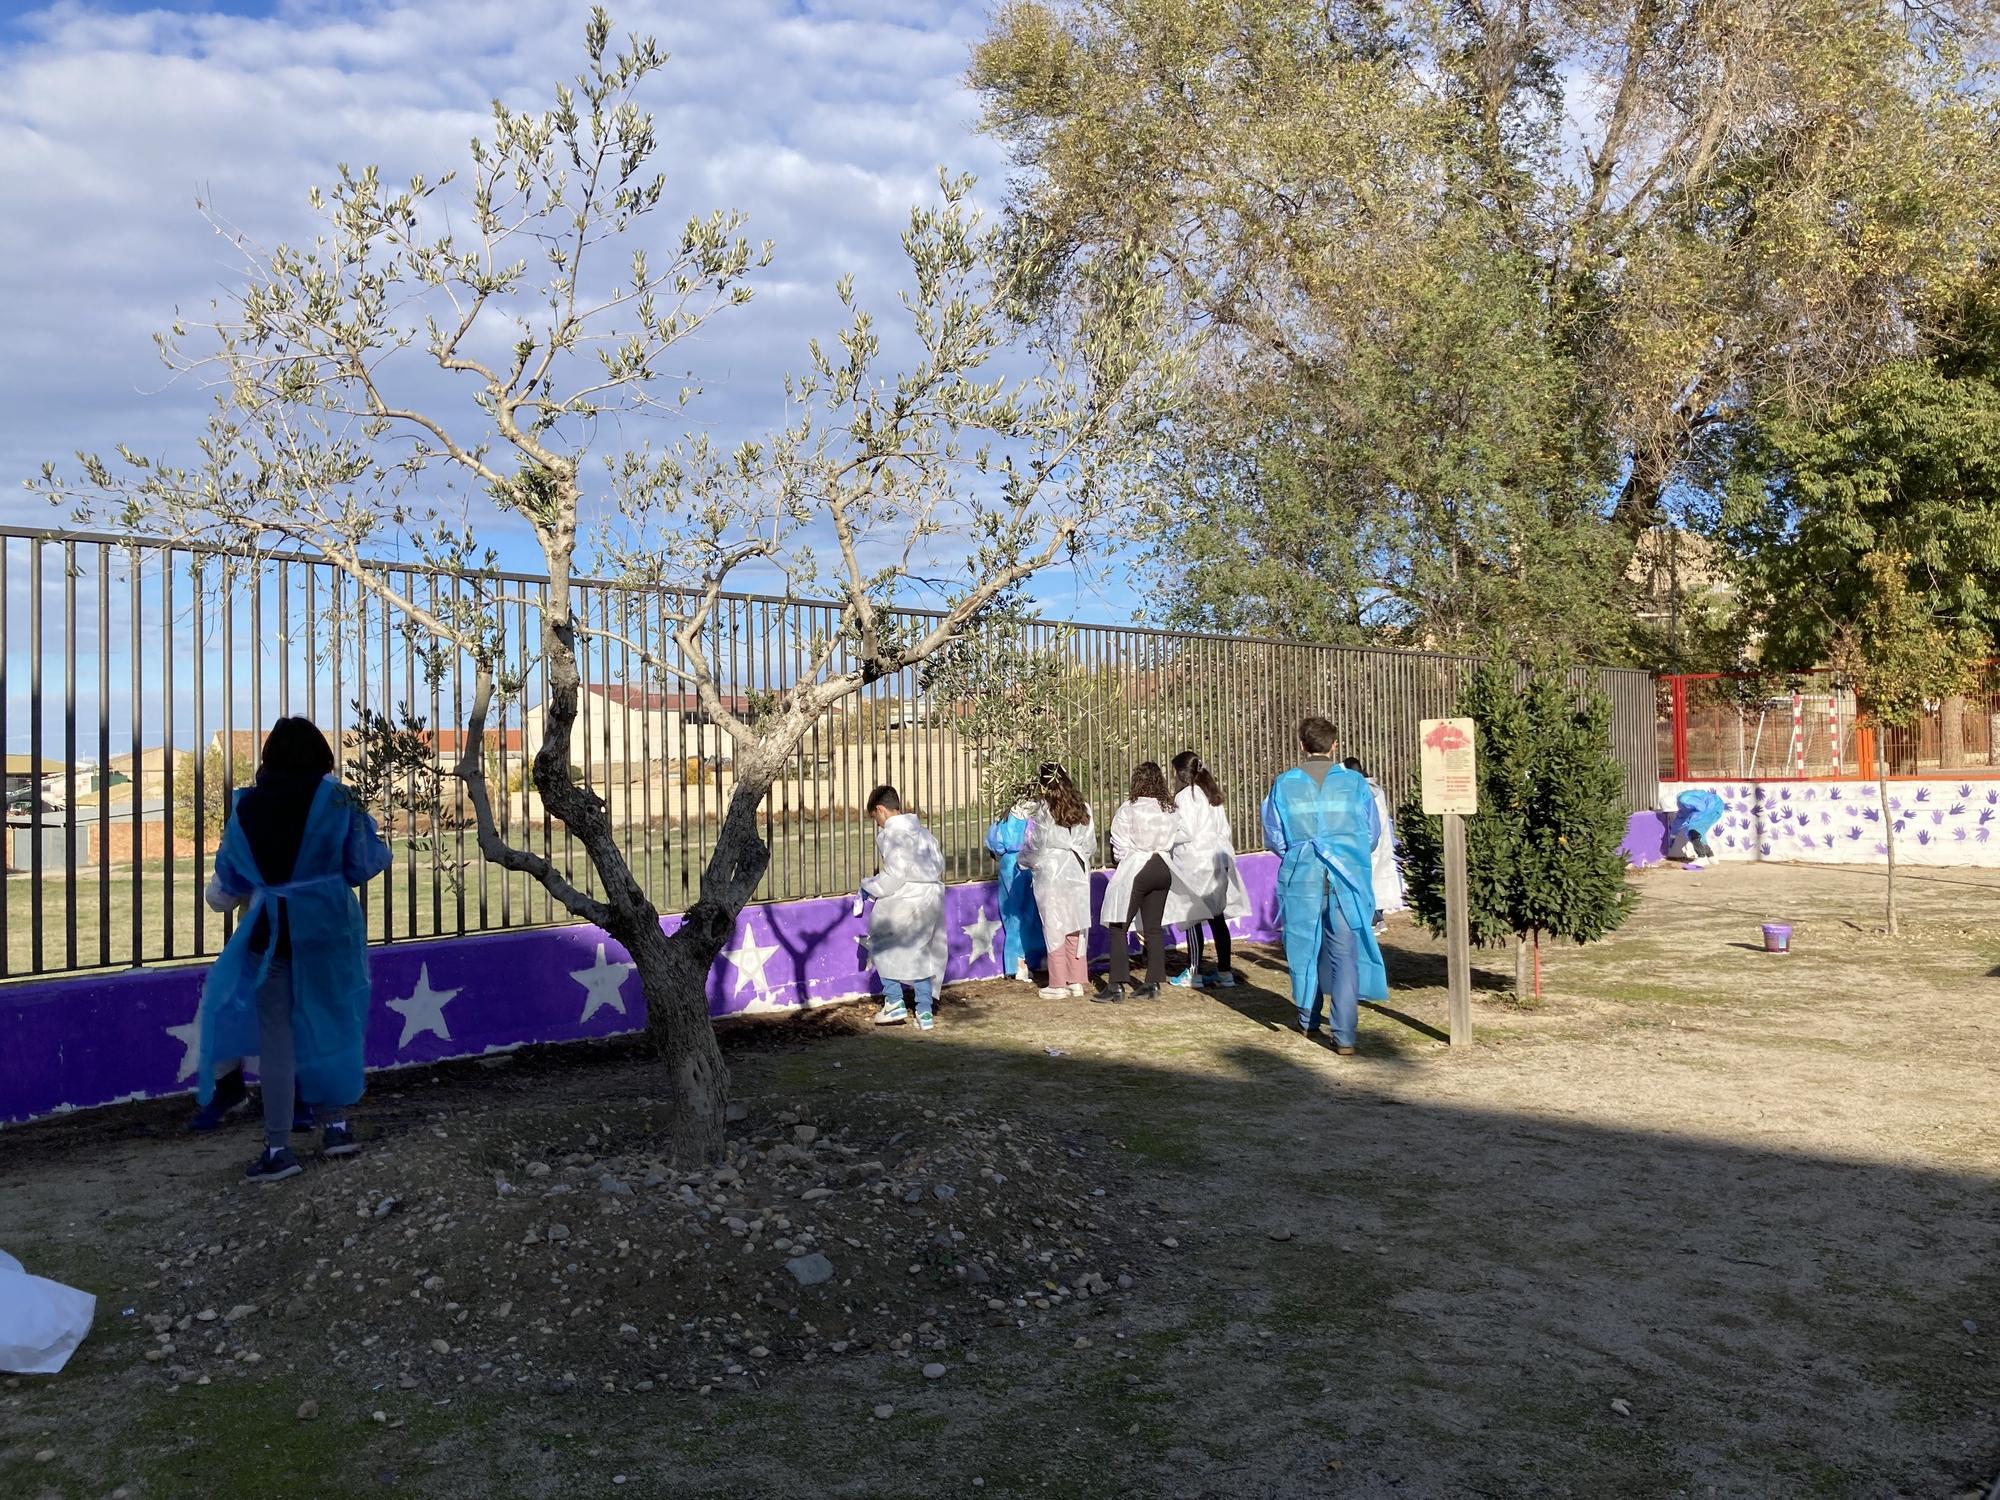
275, 1165
304, 1121
338, 1140
1221, 979
1187, 979
230, 1095
924, 1021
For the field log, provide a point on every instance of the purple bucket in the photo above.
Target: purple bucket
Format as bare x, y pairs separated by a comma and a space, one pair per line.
1777, 937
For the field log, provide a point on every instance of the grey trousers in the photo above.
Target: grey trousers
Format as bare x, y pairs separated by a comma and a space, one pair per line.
276, 1066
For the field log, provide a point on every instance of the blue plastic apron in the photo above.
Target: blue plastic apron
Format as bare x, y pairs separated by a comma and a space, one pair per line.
1327, 875
329, 964
1020, 918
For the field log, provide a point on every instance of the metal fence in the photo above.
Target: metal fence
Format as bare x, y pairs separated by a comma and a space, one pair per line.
136, 680
1807, 726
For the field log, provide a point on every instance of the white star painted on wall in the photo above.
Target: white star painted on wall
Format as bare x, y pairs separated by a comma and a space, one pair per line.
602, 982
748, 959
423, 1010
189, 1036
984, 933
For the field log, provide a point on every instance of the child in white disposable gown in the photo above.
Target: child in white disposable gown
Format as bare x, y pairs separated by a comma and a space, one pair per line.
906, 940
1146, 885
1207, 861
1385, 874
1058, 851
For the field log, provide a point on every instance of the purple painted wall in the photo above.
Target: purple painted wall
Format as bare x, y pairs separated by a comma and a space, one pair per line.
1942, 820
78, 1042
1645, 839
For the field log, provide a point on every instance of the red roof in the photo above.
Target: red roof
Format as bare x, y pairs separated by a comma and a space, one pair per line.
647, 701
452, 741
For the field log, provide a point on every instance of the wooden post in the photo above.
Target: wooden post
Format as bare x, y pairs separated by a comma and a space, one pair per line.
1457, 941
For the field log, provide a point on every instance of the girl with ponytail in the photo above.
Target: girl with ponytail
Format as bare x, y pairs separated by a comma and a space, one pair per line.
1206, 863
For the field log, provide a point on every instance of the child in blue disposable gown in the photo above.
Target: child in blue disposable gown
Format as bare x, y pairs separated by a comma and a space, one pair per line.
1320, 820
1023, 947
291, 985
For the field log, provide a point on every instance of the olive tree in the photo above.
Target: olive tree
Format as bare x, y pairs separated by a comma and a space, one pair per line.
460, 353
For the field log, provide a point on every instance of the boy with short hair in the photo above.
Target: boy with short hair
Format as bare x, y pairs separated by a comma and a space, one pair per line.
906, 939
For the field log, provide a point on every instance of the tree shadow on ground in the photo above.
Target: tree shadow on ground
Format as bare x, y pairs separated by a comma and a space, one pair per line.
1368, 1292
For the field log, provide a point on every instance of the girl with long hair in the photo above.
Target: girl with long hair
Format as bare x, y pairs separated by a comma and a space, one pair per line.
1207, 862
1145, 833
1057, 850
291, 984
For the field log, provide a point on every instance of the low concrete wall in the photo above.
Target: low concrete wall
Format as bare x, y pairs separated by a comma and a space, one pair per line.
1942, 821
80, 1042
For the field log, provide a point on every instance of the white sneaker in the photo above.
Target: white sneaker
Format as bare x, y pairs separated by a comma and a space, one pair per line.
892, 1015
1076, 992
1055, 992
1022, 975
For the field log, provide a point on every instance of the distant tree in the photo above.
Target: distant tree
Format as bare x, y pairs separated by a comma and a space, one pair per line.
1544, 854
1867, 536
1900, 662
201, 802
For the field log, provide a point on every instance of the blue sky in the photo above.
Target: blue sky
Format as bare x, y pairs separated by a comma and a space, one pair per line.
823, 121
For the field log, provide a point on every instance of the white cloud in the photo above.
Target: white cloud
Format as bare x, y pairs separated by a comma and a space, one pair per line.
824, 121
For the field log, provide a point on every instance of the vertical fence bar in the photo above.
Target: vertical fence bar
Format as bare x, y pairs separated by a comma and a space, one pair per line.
228, 725
70, 809
198, 670
171, 837
35, 870
138, 715
104, 754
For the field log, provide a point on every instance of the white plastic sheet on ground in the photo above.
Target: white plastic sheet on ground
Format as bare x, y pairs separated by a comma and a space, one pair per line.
41, 1321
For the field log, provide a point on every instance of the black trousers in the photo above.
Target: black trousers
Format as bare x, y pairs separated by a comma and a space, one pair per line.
1149, 899
1220, 929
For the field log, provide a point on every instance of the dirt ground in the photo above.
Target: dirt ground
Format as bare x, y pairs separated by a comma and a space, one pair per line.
1702, 1222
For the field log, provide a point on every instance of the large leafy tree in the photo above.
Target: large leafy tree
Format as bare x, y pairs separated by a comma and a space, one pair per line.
1867, 536
444, 360
1618, 227
1433, 489
1544, 854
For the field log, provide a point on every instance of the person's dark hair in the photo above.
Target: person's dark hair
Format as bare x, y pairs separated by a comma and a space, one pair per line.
1353, 763
1189, 771
295, 747
1148, 780
1317, 735
1066, 804
885, 796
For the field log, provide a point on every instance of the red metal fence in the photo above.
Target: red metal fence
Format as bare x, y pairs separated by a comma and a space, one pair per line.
1742, 726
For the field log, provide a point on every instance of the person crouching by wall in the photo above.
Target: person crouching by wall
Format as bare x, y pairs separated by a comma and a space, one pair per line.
291, 984
906, 939
1145, 832
1057, 851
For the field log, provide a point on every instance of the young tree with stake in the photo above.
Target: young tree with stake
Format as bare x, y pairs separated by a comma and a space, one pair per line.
410, 371
1544, 853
